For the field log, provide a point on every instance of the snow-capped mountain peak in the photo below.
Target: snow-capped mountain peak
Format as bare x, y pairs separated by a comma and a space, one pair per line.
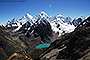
77, 21
68, 18
83, 18
58, 18
40, 16
59, 15
23, 17
41, 13
12, 21
28, 16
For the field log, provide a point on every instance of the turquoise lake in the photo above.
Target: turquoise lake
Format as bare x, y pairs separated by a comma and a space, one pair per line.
12, 33
43, 45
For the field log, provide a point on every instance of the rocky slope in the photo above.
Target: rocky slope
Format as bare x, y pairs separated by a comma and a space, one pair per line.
7, 45
58, 23
72, 46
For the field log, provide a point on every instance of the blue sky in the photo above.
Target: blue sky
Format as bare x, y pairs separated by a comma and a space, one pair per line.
72, 8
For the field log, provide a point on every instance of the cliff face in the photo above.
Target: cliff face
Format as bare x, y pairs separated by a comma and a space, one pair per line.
73, 46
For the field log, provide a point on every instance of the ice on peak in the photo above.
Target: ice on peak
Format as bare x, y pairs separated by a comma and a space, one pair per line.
58, 15
14, 19
23, 17
28, 16
43, 13
82, 17
68, 18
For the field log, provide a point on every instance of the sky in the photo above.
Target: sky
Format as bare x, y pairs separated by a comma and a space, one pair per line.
71, 8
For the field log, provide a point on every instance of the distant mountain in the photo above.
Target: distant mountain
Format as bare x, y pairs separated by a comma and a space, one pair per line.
23, 20
18, 23
76, 22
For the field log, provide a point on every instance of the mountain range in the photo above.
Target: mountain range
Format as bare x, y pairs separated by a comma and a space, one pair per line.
59, 24
68, 38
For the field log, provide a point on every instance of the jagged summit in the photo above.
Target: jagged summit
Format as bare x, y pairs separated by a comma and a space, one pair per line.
82, 17
43, 13
40, 16
77, 21
58, 15
68, 18
28, 16
23, 17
